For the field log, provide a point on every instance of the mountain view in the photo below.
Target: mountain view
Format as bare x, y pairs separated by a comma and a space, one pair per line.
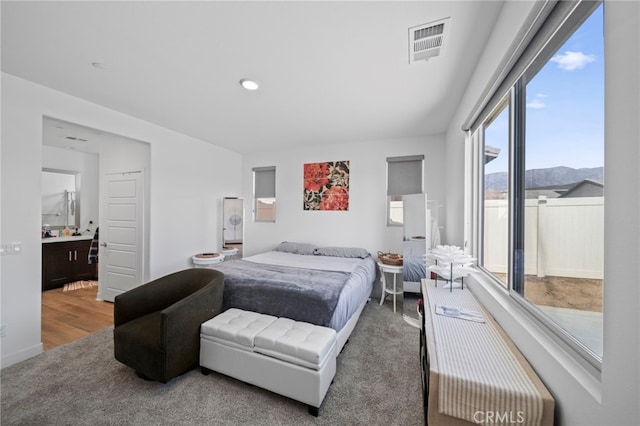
552, 176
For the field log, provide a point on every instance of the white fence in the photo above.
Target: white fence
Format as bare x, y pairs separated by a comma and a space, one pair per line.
563, 237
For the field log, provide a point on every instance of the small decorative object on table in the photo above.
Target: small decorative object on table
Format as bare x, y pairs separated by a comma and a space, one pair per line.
394, 259
451, 263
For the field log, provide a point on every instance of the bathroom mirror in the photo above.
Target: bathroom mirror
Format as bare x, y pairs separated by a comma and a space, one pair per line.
233, 223
60, 199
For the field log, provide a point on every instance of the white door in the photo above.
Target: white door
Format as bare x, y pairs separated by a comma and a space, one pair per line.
121, 231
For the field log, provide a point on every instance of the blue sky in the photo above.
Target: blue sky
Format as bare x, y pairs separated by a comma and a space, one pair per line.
565, 107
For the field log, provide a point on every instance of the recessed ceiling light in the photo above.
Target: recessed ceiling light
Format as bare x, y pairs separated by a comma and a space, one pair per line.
249, 84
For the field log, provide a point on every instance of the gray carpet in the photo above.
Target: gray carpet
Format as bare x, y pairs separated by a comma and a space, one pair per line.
377, 383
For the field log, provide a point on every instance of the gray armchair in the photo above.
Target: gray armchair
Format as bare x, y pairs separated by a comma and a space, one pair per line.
157, 325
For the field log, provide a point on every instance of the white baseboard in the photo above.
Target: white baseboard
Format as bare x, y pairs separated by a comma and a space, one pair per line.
21, 355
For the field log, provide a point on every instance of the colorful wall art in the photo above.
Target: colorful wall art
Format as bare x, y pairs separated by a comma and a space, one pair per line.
326, 186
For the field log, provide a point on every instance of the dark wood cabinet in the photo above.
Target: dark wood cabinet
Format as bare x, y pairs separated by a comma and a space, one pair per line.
64, 262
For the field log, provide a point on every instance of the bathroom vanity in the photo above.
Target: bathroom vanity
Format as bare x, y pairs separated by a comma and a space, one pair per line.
64, 260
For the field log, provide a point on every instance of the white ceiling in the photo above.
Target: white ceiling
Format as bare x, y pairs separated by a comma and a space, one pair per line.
329, 72
72, 136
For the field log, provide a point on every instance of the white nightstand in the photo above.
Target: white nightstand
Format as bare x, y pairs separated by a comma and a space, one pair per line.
390, 269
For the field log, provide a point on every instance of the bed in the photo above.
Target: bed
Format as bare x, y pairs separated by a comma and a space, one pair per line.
327, 286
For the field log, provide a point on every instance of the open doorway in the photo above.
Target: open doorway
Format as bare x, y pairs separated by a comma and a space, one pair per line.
72, 305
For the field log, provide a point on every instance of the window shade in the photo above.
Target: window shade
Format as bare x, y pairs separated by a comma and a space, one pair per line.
264, 182
404, 175
532, 49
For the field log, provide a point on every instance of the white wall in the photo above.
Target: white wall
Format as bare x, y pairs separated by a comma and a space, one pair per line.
511, 18
188, 179
621, 366
583, 395
364, 225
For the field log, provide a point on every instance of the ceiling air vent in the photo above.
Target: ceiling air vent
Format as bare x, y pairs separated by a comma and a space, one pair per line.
427, 41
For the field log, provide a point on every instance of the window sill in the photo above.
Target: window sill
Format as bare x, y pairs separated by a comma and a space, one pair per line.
553, 359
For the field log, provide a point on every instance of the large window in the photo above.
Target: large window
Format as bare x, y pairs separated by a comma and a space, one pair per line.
540, 145
564, 185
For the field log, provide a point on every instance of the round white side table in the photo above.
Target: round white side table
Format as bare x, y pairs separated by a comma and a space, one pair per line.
390, 269
229, 253
205, 260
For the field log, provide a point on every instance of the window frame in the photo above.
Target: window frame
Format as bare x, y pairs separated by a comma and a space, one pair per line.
505, 102
474, 184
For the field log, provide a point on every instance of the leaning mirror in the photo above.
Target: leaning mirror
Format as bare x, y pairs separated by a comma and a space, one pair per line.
414, 250
233, 225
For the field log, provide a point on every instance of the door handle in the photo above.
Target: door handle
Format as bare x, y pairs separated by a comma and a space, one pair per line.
69, 255
75, 255
103, 244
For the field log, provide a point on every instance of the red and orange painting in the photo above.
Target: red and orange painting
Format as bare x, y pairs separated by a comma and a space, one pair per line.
326, 186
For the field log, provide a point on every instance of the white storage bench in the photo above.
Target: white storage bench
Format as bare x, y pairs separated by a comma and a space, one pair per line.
291, 358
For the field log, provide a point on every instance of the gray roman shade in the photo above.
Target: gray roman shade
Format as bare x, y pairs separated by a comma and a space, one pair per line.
404, 175
264, 181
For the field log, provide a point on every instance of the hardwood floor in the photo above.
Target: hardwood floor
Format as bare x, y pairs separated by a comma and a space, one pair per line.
68, 316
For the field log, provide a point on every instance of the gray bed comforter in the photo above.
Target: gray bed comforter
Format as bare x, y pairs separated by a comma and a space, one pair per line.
297, 293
